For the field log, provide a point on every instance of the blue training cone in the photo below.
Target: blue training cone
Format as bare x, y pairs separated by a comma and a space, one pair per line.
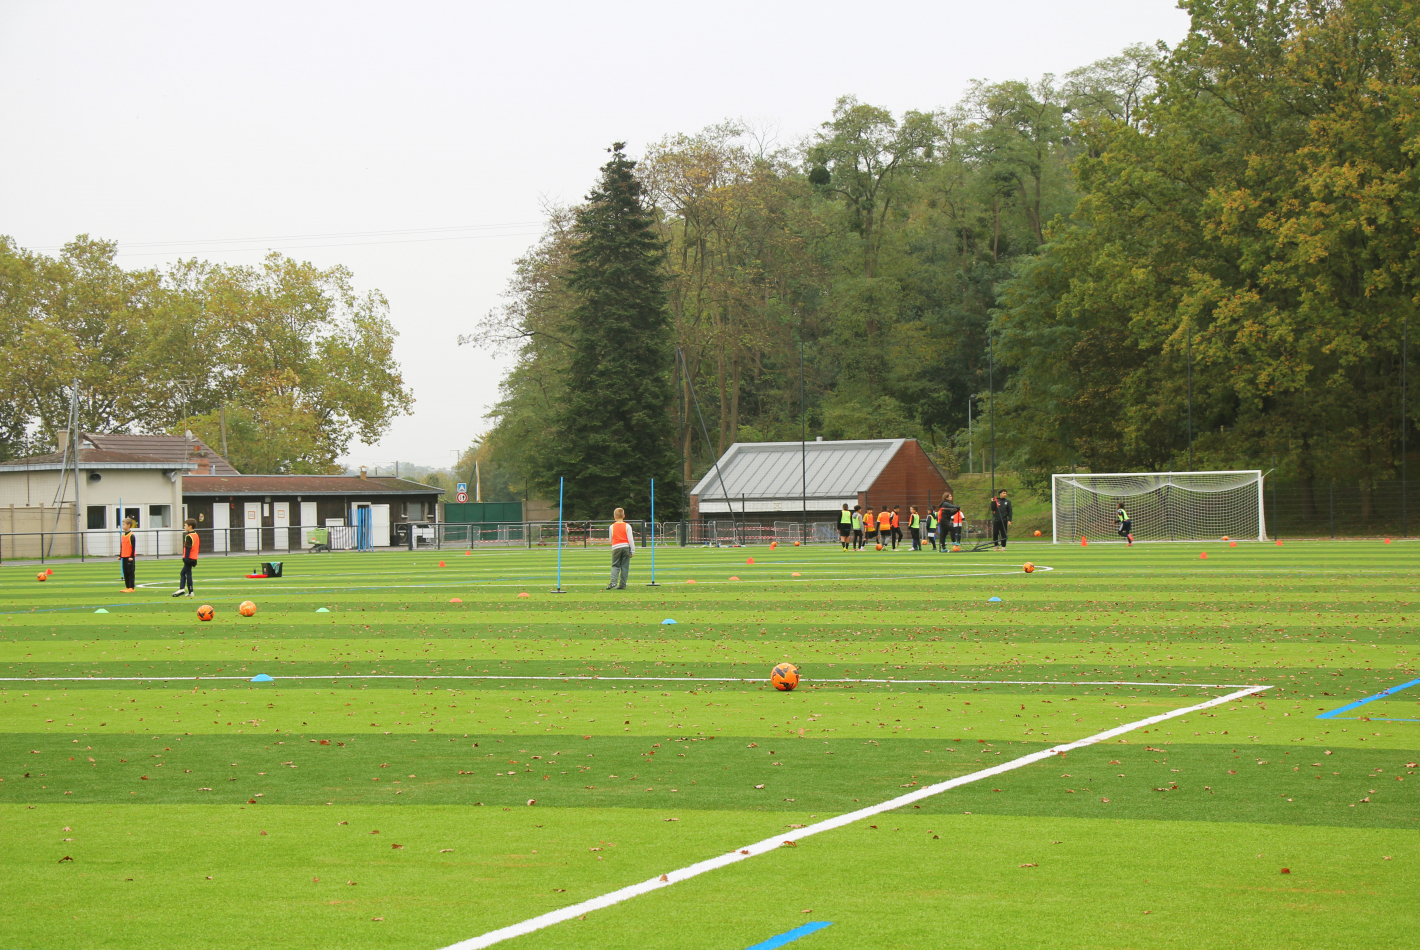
262, 678
667, 620
994, 600
322, 610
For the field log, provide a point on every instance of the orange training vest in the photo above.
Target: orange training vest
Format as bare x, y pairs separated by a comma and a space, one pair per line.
894, 519
125, 544
196, 545
884, 520
618, 533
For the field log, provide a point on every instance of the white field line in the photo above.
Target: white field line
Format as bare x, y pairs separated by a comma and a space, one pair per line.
769, 844
607, 679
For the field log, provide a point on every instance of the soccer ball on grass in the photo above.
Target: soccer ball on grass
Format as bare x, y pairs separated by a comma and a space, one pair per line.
784, 677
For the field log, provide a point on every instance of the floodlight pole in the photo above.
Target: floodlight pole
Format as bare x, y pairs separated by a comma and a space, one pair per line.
991, 387
653, 535
1190, 395
804, 450
1404, 422
559, 589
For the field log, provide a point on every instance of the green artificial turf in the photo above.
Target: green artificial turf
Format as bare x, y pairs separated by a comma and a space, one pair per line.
151, 796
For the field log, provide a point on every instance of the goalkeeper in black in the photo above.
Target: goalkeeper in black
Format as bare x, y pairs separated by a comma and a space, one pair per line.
1126, 527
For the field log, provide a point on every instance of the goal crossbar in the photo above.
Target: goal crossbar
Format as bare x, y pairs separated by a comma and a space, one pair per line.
1161, 506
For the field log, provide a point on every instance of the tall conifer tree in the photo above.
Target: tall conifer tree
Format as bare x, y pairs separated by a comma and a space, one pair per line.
615, 430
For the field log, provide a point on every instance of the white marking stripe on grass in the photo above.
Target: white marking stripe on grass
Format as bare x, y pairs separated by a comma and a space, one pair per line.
769, 844
609, 679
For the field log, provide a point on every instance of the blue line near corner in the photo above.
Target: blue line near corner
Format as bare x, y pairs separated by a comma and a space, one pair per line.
1336, 713
792, 935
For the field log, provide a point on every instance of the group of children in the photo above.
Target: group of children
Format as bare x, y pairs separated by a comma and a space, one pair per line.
859, 526
128, 556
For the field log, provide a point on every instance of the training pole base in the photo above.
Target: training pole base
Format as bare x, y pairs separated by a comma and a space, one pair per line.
557, 590
653, 584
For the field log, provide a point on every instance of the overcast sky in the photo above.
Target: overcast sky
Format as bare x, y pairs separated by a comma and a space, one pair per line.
416, 143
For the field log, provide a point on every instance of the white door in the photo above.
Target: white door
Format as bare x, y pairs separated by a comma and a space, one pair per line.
380, 526
308, 521
220, 525
252, 523
281, 518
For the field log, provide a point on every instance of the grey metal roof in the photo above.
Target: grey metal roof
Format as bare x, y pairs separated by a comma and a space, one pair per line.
764, 471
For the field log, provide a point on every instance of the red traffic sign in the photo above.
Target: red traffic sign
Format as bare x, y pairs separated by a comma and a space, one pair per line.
462, 497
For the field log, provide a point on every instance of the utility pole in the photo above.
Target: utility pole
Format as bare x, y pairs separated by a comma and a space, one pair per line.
224, 430
1404, 422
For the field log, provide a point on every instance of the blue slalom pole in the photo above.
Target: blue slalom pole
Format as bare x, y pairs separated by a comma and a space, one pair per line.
653, 535
559, 589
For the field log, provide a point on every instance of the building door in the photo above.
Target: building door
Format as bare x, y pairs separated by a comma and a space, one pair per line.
251, 524
281, 522
308, 521
380, 526
221, 526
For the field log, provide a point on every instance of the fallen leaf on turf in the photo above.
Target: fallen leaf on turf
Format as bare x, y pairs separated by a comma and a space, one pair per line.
397, 847
664, 878
744, 851
351, 883
1033, 864
63, 859
759, 786
445, 850
376, 918
1286, 870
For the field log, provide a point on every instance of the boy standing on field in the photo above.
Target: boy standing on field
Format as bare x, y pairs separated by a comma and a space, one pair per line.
128, 556
623, 546
857, 528
896, 526
845, 525
1001, 518
191, 545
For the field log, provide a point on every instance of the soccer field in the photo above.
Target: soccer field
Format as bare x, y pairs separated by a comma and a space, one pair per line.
380, 791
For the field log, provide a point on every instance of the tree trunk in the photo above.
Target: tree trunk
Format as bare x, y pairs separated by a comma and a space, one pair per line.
996, 230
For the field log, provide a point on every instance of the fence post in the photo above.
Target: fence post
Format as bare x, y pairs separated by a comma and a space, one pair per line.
1333, 509
41, 546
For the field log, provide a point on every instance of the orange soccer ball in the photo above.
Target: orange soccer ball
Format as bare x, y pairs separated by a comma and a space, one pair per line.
1037, 532
956, 547
205, 612
1225, 537
1029, 567
785, 677
41, 577
880, 547
247, 609
796, 544
773, 545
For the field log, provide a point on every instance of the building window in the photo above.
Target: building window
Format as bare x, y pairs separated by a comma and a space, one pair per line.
159, 516
98, 517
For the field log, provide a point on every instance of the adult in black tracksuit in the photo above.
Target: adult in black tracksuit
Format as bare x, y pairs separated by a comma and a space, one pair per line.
1000, 518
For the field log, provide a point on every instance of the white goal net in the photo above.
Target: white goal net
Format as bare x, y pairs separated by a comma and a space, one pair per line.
1162, 506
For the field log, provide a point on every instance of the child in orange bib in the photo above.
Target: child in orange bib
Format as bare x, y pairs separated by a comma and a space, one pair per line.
623, 546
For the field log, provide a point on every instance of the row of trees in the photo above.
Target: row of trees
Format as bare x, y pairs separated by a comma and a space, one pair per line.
1244, 204
299, 360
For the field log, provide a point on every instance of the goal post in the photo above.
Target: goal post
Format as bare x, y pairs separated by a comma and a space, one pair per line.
1162, 506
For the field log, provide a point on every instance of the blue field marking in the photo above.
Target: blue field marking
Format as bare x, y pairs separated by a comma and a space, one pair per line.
792, 935
1336, 713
